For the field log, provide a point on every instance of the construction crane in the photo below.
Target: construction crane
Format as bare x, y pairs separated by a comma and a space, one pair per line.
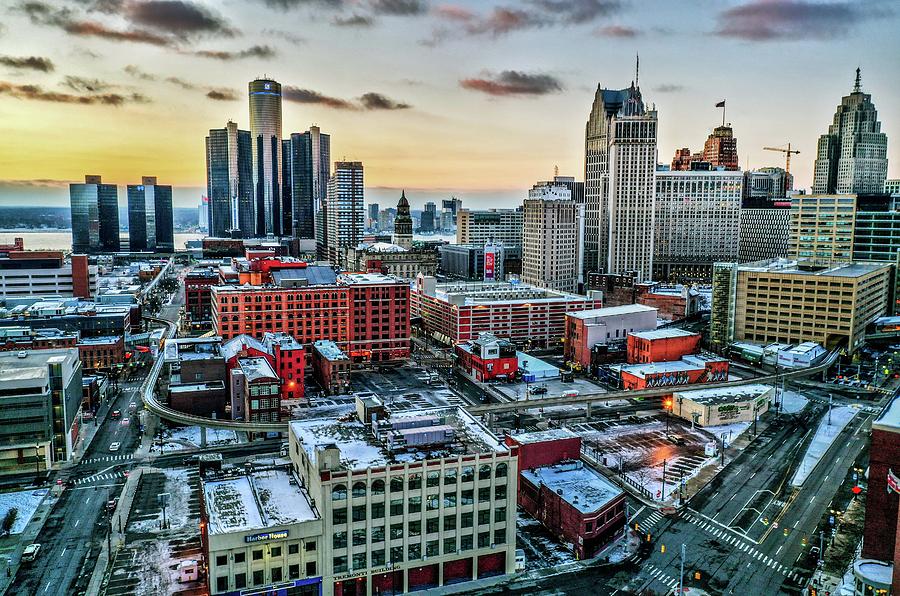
787, 152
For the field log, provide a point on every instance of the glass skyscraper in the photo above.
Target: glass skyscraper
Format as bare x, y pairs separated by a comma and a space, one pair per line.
229, 183
305, 180
150, 216
265, 133
95, 216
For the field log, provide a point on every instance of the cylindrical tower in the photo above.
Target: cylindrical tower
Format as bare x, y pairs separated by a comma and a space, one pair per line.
265, 133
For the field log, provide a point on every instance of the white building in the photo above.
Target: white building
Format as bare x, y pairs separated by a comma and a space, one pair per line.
697, 223
552, 247
345, 210
414, 501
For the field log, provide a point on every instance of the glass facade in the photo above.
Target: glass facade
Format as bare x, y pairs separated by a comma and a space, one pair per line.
305, 182
229, 183
95, 217
150, 218
265, 132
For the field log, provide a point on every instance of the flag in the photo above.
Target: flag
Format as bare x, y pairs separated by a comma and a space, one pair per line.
893, 483
721, 104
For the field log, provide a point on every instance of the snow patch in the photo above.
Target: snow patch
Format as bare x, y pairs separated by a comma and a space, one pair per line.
26, 502
825, 435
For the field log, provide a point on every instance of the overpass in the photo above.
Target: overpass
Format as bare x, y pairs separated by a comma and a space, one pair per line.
148, 394
162, 273
528, 404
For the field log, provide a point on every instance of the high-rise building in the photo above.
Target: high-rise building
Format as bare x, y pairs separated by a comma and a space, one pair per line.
852, 156
697, 223
720, 149
892, 187
498, 225
305, 180
764, 233
203, 214
150, 216
95, 216
265, 134
822, 227
229, 183
619, 175
551, 238
345, 209
403, 225
372, 216
765, 186
429, 214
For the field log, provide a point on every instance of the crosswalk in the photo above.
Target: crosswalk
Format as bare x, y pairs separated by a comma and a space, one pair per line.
108, 458
99, 477
661, 576
650, 521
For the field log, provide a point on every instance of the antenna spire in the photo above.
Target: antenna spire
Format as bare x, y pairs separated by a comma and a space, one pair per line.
857, 87
637, 70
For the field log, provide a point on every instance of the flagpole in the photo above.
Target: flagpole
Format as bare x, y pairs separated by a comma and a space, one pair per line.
723, 112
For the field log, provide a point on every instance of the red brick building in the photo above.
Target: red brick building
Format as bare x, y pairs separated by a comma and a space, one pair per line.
367, 315
674, 302
331, 367
261, 390
687, 371
881, 535
487, 358
589, 330
661, 345
101, 352
578, 505
290, 363
197, 295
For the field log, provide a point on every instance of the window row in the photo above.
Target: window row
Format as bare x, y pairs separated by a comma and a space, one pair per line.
414, 504
414, 481
396, 531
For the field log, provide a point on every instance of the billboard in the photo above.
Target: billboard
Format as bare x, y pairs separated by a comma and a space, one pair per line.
490, 265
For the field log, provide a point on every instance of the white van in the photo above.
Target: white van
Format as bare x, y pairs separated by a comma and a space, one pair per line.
30, 553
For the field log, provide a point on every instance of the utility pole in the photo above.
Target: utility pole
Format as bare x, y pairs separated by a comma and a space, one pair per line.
681, 574
681, 489
664, 481
723, 449
830, 398
821, 545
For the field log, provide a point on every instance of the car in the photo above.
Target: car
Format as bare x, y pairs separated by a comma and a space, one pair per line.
116, 414
115, 446
676, 439
111, 504
31, 553
191, 459
537, 390
125, 421
132, 407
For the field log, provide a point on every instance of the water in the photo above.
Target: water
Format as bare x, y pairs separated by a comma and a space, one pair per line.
62, 239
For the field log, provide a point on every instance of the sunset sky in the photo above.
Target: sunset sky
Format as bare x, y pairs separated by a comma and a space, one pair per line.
475, 98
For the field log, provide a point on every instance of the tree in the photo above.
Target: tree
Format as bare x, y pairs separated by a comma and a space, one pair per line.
9, 519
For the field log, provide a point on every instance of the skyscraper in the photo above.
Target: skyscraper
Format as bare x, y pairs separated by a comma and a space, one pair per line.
720, 149
403, 224
345, 211
265, 134
426, 224
150, 216
619, 174
229, 183
372, 218
95, 216
305, 180
552, 249
852, 157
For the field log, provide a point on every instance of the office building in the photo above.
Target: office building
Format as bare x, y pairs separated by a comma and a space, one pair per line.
552, 247
892, 187
605, 327
409, 501
197, 296
661, 345
229, 183
822, 227
331, 366
764, 233
458, 312
372, 216
466, 261
46, 273
852, 157
790, 302
720, 149
876, 236
403, 223
697, 223
265, 137
392, 259
95, 216
87, 319
306, 163
878, 571
619, 182
766, 187
492, 225
367, 315
345, 210
717, 407
41, 400
203, 214
150, 226
427, 221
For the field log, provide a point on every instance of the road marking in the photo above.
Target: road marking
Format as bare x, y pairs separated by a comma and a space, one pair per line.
714, 495
65, 548
732, 497
826, 478
752, 475
88, 500
779, 550
796, 522
77, 521
47, 587
812, 499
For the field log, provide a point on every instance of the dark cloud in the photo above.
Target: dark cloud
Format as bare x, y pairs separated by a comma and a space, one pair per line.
291, 4
85, 85
27, 63
766, 20
137, 73
298, 95
183, 83
377, 101
616, 31
37, 93
222, 94
95, 29
41, 13
177, 17
504, 20
251, 52
669, 88
452, 12
355, 20
285, 35
399, 7
578, 11
511, 82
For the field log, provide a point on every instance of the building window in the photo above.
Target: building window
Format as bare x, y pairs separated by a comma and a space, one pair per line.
258, 577
359, 489
275, 551
377, 510
276, 574
484, 494
431, 548
415, 552
449, 477
294, 571
240, 557
377, 558
467, 497
222, 583
589, 527
340, 540
500, 515
294, 548
433, 479
415, 481
449, 545
449, 522
340, 564
359, 561
450, 500
484, 539
396, 531
257, 555
378, 487
378, 534
310, 546
359, 513
466, 520
415, 528
240, 580
432, 525
484, 517
465, 542
339, 516
500, 492
396, 554
415, 504
468, 474
397, 484
310, 569
221, 560
339, 492
396, 506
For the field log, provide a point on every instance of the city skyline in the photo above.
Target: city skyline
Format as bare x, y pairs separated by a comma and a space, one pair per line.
454, 106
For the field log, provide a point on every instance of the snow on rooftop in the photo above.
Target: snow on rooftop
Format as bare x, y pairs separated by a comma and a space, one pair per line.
611, 311
664, 333
329, 350
889, 419
582, 487
718, 395
282, 502
688, 363
553, 434
876, 571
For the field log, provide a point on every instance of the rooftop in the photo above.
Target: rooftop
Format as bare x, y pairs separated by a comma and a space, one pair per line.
194, 348
812, 268
329, 350
553, 434
582, 487
889, 419
380, 247
360, 448
314, 275
104, 339
239, 343
478, 293
191, 387
261, 500
725, 395
664, 333
256, 368
611, 311
687, 363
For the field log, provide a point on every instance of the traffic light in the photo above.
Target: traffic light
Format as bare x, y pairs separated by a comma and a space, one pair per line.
662, 548
813, 592
697, 575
